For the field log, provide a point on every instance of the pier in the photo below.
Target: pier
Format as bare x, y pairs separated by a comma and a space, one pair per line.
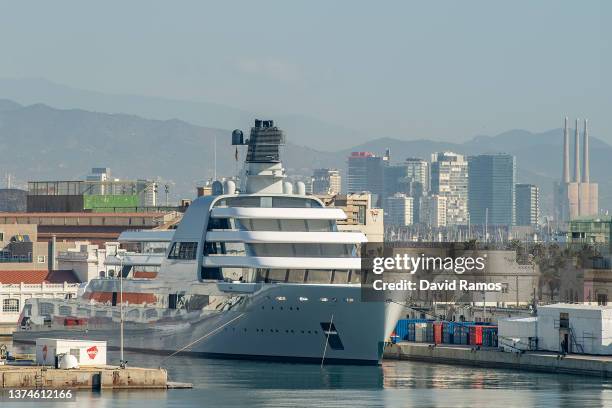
91, 378
580, 364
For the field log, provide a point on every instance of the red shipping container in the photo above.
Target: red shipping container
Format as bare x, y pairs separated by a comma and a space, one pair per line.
438, 332
476, 335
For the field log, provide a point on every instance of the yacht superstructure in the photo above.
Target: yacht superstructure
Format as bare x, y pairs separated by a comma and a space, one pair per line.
257, 272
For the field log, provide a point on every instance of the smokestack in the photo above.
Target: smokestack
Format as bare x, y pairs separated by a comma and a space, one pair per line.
566, 155
585, 153
577, 155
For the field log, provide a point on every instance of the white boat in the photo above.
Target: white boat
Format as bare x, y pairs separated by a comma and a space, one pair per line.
259, 273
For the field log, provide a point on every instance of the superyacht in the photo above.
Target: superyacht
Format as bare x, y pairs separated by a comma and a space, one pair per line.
255, 272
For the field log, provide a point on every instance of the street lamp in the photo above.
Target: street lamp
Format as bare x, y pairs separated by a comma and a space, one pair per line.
122, 360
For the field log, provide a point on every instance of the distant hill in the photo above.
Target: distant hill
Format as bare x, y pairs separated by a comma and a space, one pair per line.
44, 143
38, 142
310, 130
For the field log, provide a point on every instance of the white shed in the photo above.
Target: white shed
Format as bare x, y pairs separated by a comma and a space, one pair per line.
581, 328
517, 333
87, 352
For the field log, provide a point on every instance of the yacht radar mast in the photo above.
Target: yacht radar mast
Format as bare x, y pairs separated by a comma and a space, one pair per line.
264, 172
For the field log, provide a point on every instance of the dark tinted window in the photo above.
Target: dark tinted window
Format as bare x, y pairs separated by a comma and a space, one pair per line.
183, 250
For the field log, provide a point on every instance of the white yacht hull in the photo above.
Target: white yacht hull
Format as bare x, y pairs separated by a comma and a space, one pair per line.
258, 326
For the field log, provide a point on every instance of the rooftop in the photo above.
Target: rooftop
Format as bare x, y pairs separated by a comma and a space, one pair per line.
38, 277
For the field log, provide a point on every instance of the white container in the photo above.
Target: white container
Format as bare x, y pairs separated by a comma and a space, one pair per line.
87, 352
589, 331
517, 333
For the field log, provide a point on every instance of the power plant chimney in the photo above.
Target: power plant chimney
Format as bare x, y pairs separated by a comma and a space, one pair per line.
585, 153
566, 155
577, 155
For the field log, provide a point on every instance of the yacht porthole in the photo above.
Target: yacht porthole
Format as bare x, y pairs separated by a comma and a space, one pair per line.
303, 299
349, 300
324, 299
281, 298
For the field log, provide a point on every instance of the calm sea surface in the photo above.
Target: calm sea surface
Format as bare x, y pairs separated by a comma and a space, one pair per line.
221, 383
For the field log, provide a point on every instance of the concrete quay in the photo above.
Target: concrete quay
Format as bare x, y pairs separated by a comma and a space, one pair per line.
91, 378
599, 366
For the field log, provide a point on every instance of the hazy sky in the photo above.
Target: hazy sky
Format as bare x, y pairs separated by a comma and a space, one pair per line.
441, 69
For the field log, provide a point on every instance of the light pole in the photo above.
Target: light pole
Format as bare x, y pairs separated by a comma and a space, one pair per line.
121, 361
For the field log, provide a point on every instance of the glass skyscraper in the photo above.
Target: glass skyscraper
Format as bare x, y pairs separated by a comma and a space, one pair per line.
491, 189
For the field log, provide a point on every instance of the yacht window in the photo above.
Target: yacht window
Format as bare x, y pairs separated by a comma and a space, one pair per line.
244, 224
266, 202
319, 276
46, 309
218, 224
211, 274
133, 314
320, 225
243, 202
312, 250
293, 225
293, 202
224, 248
183, 250
265, 225
65, 311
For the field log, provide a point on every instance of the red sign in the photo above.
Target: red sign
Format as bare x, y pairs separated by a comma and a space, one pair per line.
92, 352
44, 352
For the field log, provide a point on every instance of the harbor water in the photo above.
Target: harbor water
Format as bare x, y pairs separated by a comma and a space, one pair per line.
234, 383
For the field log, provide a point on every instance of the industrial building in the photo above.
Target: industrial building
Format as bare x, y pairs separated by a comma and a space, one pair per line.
491, 192
98, 193
449, 179
578, 196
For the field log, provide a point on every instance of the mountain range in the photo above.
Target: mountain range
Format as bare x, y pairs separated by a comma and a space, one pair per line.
315, 132
40, 142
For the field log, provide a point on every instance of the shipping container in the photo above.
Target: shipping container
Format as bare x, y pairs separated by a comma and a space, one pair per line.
430, 332
411, 331
448, 332
420, 332
475, 335
438, 329
87, 352
401, 330
489, 336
